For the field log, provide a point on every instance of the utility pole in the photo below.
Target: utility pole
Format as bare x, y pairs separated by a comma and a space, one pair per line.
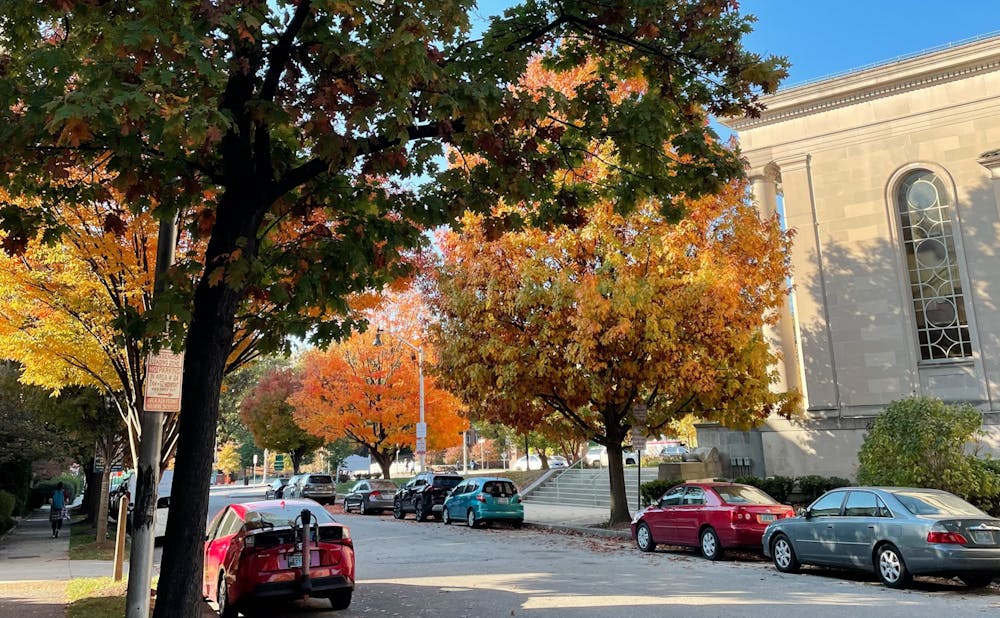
140, 574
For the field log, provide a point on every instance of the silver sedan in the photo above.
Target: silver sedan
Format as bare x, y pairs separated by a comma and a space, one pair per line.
896, 532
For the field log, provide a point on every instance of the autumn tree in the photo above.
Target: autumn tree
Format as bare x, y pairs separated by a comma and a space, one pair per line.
252, 113
267, 410
370, 395
229, 459
587, 321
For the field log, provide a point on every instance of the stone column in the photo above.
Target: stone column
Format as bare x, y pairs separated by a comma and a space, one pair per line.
991, 161
780, 336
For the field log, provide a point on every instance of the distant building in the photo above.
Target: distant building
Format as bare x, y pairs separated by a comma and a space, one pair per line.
890, 177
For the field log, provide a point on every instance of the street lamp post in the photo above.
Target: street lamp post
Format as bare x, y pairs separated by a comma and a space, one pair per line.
421, 426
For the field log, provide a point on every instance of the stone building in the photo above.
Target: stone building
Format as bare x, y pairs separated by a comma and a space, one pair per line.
890, 176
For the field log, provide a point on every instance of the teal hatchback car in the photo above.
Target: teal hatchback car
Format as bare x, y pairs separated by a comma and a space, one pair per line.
483, 500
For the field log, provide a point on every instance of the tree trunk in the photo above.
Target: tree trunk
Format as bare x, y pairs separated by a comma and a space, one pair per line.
384, 461
296, 456
102, 504
92, 495
616, 478
209, 341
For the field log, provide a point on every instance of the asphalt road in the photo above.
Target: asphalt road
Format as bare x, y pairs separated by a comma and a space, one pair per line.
413, 569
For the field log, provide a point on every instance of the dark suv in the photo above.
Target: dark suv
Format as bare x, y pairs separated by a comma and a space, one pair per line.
424, 495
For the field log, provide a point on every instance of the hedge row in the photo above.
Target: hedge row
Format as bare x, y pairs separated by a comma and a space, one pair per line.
42, 491
7, 502
804, 488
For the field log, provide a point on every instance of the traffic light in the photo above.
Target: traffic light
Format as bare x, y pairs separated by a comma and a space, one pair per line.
279, 462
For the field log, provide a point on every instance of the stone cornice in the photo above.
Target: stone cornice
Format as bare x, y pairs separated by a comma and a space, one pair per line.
882, 81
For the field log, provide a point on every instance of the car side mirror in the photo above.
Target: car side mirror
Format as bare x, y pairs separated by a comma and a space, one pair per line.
803, 512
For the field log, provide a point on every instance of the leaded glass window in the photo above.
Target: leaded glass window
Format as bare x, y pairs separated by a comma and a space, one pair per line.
935, 282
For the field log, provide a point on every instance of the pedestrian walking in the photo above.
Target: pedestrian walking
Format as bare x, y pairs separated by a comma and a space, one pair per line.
58, 505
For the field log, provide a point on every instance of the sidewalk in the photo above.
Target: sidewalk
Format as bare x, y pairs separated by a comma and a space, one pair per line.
585, 520
34, 569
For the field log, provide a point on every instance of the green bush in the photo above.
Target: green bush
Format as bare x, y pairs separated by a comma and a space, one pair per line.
653, 490
921, 442
813, 486
778, 487
7, 502
42, 491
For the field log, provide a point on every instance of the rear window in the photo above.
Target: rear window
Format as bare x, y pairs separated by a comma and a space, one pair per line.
499, 488
921, 503
318, 479
736, 494
384, 485
447, 481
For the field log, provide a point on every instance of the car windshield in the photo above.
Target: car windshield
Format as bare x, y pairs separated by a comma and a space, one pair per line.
274, 516
384, 485
742, 494
320, 479
928, 503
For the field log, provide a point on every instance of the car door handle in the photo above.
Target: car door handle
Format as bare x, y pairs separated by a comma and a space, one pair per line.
872, 527
829, 525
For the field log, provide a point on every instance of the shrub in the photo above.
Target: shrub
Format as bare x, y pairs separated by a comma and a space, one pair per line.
42, 491
7, 502
813, 486
920, 442
778, 487
653, 490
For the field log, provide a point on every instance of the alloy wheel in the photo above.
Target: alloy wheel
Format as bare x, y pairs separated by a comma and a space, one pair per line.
471, 519
710, 544
644, 538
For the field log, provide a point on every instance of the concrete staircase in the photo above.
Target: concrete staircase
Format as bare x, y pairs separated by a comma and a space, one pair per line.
586, 487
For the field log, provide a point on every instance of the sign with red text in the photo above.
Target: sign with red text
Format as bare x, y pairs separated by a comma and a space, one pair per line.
164, 373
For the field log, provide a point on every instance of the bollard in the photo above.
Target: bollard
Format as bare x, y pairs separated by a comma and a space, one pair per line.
120, 538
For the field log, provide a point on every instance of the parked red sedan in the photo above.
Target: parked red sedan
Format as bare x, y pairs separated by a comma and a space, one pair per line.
254, 553
712, 516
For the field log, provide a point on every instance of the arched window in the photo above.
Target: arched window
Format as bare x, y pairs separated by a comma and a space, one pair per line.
924, 204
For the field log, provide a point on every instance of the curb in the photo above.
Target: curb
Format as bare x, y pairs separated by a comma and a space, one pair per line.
598, 532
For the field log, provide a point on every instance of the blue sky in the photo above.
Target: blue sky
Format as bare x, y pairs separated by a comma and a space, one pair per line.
823, 37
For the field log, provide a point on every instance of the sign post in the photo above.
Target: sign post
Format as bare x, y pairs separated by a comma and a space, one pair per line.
639, 414
163, 381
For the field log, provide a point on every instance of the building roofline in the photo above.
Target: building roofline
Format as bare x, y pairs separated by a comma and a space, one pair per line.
946, 63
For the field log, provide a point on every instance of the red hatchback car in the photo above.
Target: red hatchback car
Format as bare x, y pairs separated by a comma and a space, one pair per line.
712, 516
254, 554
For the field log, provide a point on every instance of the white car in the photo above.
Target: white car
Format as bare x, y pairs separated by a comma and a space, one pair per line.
535, 463
597, 456
162, 500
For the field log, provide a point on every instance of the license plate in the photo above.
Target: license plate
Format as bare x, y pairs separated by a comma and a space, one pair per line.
503, 500
295, 560
766, 517
982, 538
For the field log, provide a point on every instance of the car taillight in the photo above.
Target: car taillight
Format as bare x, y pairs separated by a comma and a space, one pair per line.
375, 495
307, 487
481, 497
939, 534
740, 517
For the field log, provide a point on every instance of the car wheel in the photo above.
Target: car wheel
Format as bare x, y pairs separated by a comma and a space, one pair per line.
471, 520
341, 599
976, 580
783, 555
445, 517
418, 509
517, 523
711, 548
226, 610
365, 509
397, 510
891, 568
644, 537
